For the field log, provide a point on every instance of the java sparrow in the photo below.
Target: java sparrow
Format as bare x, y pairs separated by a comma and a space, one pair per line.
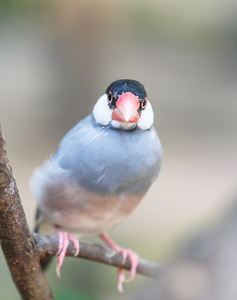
101, 170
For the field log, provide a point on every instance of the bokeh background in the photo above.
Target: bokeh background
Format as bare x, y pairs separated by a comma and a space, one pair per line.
58, 57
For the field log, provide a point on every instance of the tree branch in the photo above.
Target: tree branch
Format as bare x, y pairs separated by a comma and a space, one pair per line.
16, 239
48, 246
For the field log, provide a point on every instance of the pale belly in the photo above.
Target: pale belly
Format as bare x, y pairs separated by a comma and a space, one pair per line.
85, 213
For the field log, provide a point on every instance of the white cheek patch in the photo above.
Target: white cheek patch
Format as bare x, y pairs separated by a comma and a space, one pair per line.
147, 118
101, 111
103, 116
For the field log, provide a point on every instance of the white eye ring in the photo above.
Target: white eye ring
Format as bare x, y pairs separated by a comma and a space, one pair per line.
144, 103
110, 98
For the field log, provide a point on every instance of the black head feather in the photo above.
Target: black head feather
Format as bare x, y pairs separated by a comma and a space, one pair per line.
121, 86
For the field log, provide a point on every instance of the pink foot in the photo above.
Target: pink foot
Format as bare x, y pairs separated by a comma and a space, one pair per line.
63, 243
132, 256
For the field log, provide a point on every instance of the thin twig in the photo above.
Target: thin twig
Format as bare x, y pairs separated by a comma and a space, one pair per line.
48, 246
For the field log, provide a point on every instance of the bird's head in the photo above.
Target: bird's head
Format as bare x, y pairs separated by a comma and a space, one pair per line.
124, 106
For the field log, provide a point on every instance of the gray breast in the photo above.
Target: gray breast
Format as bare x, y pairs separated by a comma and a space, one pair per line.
110, 161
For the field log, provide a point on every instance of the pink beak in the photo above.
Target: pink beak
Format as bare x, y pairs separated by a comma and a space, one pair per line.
126, 108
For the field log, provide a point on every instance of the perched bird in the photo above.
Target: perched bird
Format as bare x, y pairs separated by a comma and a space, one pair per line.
100, 172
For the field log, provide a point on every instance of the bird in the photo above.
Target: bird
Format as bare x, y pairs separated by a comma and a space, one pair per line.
100, 172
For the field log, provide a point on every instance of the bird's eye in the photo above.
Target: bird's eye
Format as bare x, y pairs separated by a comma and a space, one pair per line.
110, 98
143, 103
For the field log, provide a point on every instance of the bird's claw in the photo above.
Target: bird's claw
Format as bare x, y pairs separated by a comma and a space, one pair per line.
121, 279
126, 253
63, 243
134, 260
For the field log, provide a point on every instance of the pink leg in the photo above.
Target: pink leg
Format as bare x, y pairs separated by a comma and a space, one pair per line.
63, 243
133, 257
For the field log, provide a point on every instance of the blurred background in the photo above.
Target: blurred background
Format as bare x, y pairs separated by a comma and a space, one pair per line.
58, 57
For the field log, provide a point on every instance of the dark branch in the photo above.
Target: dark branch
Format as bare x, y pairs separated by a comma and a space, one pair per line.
16, 238
48, 246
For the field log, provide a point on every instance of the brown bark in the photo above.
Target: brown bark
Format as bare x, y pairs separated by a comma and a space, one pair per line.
16, 239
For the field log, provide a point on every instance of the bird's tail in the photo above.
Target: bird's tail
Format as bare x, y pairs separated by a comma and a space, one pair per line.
45, 261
